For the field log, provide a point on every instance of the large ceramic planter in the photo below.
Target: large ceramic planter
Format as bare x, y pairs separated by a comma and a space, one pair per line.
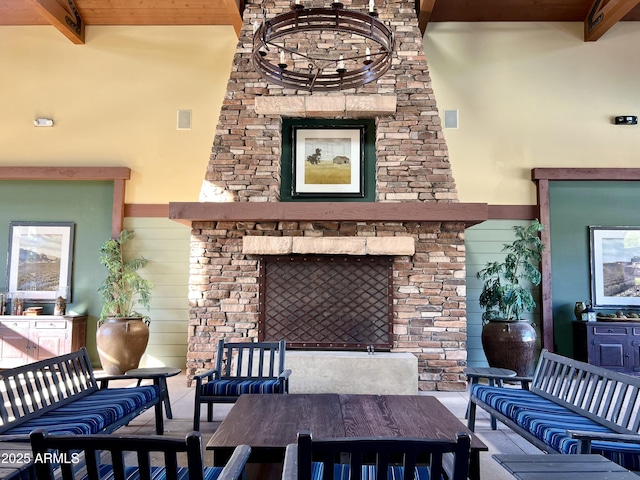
510, 345
121, 343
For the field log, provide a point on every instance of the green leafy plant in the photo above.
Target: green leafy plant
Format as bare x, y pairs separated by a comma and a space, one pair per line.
123, 288
503, 296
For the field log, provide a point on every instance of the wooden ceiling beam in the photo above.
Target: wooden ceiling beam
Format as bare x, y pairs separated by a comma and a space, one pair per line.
235, 8
68, 22
602, 17
424, 10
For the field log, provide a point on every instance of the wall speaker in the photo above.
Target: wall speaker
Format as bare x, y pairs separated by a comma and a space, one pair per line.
184, 119
451, 119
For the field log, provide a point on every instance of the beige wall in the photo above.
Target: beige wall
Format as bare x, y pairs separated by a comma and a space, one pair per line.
533, 95
114, 102
528, 94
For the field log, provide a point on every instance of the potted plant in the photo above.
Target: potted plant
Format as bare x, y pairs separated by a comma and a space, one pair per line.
123, 333
507, 339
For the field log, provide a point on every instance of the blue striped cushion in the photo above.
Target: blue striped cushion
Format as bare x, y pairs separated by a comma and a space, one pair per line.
549, 422
341, 472
238, 387
157, 473
92, 413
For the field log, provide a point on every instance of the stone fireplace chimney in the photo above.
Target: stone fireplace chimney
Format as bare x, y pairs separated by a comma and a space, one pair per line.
412, 216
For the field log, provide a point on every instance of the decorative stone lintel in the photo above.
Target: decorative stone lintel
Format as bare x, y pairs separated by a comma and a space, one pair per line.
266, 245
327, 106
254, 245
391, 245
330, 245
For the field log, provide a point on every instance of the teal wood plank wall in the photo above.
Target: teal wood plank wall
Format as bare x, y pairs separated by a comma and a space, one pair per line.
166, 244
484, 244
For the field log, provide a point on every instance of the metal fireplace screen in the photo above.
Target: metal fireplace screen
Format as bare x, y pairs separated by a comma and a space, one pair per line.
327, 302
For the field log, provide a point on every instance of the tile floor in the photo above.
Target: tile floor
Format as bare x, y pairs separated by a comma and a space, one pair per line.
502, 440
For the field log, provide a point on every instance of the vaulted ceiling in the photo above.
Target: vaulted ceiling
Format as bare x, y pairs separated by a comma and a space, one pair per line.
71, 16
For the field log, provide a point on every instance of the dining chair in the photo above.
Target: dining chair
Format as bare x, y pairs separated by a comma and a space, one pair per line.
241, 367
377, 458
143, 457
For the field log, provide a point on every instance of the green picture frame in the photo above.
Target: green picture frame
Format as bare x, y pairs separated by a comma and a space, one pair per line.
328, 160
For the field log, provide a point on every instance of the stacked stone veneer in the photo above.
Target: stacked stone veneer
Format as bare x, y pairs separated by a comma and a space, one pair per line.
412, 165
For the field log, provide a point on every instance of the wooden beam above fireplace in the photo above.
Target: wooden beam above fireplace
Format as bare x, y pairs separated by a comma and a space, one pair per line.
467, 213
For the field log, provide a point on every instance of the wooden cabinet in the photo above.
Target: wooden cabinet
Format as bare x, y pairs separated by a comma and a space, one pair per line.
28, 339
612, 345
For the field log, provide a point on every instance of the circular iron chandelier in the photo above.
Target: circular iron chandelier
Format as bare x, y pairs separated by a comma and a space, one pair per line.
277, 59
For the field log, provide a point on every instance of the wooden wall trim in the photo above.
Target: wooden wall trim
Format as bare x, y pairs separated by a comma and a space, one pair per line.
587, 174
546, 310
65, 173
542, 177
118, 175
513, 212
156, 210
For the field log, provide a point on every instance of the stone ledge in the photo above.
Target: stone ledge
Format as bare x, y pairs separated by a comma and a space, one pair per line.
383, 373
327, 106
330, 245
253, 245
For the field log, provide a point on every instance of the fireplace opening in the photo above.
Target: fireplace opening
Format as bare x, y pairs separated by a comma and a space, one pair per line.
327, 302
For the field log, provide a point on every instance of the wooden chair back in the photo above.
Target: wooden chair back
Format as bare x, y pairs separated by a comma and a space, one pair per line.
251, 360
94, 457
441, 456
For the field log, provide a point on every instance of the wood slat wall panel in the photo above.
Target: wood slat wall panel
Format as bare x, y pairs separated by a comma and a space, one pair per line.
167, 245
484, 243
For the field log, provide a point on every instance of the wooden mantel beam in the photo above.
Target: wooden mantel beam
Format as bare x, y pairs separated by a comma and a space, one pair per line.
603, 15
424, 10
467, 213
69, 22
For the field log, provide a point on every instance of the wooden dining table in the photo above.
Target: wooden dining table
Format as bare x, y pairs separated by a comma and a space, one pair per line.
268, 423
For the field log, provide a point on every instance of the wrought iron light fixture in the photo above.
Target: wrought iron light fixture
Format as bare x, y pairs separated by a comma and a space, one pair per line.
284, 51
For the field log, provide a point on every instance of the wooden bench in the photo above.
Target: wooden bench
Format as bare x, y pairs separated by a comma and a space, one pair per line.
567, 398
62, 395
241, 367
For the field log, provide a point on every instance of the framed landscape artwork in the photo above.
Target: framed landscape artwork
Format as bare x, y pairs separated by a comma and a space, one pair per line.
328, 162
615, 266
40, 259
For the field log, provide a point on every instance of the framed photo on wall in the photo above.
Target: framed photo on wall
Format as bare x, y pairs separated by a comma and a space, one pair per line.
615, 266
328, 161
40, 260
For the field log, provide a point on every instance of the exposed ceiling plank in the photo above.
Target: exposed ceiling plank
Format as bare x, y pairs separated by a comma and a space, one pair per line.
70, 24
602, 17
425, 9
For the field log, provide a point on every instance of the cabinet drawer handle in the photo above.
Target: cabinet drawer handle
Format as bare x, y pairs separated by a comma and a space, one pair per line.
610, 331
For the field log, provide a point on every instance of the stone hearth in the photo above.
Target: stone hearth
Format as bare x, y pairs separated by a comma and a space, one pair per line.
416, 216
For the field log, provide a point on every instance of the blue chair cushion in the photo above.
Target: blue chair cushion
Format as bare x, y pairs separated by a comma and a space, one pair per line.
239, 387
157, 473
342, 472
91, 413
549, 422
